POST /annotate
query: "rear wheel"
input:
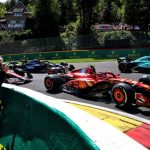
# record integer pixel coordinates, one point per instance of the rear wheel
(53, 82)
(123, 95)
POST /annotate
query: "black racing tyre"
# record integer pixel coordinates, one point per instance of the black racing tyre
(53, 82)
(145, 79)
(123, 95)
(29, 75)
(124, 67)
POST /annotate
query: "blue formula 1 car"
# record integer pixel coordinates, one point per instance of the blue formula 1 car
(126, 64)
(32, 66)
(36, 66)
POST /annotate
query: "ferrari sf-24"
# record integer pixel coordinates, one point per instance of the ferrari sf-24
(124, 92)
(17, 75)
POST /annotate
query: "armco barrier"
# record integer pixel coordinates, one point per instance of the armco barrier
(33, 121)
(103, 54)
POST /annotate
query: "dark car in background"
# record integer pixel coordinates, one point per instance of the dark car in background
(126, 64)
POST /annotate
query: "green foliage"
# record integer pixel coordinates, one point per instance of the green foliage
(70, 34)
(6, 36)
(85, 7)
(118, 35)
(2, 10)
(46, 19)
(121, 35)
(68, 12)
(132, 11)
(107, 15)
(32, 9)
(73, 17)
(145, 14)
(10, 3)
(120, 14)
(97, 10)
(22, 35)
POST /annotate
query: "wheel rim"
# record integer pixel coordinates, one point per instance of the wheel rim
(49, 83)
(119, 95)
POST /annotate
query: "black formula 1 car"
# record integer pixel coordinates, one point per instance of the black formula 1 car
(59, 68)
(126, 64)
(124, 92)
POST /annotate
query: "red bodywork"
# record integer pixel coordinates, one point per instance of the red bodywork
(107, 80)
(14, 78)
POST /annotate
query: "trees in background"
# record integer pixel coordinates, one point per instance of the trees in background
(46, 18)
(132, 12)
(137, 13)
(49, 17)
(145, 15)
(85, 9)
(2, 10)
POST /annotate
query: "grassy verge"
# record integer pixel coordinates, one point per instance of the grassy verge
(77, 60)
(80, 60)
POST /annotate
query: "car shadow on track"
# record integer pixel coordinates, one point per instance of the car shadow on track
(107, 100)
(135, 110)
(97, 99)
(103, 99)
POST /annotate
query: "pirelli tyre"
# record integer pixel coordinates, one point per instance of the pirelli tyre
(145, 79)
(53, 82)
(123, 95)
(124, 67)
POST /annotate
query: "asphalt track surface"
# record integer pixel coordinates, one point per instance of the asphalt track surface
(38, 85)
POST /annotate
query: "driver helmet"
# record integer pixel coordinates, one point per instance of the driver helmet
(63, 63)
(93, 70)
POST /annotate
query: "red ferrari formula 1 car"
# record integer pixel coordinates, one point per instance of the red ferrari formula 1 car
(124, 92)
(18, 77)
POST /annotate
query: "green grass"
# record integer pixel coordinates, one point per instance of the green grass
(80, 60)
(77, 60)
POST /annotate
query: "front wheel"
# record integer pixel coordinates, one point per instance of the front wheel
(124, 67)
(123, 95)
